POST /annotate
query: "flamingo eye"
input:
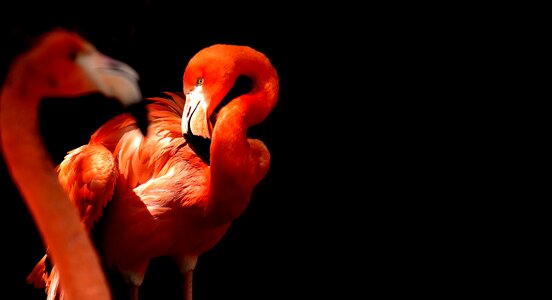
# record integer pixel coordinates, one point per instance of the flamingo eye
(72, 52)
(72, 55)
(199, 81)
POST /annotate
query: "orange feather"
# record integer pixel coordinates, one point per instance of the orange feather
(60, 64)
(178, 189)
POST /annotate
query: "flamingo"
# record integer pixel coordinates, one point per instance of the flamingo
(178, 189)
(60, 64)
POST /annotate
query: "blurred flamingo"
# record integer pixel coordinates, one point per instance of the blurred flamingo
(178, 189)
(60, 64)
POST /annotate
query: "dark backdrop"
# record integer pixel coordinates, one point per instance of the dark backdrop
(286, 244)
(360, 195)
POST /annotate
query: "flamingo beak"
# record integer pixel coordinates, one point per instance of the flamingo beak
(117, 80)
(195, 120)
(195, 124)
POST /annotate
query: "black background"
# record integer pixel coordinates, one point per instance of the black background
(290, 242)
(351, 206)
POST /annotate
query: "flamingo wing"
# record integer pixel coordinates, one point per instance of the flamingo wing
(140, 158)
(88, 174)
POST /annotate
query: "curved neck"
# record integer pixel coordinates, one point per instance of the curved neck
(260, 101)
(238, 164)
(230, 184)
(57, 219)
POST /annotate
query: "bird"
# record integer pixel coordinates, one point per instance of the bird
(178, 188)
(60, 63)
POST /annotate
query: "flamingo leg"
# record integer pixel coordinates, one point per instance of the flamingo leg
(187, 284)
(187, 264)
(133, 292)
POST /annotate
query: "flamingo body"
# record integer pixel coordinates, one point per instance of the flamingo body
(170, 197)
(88, 174)
(162, 213)
(60, 64)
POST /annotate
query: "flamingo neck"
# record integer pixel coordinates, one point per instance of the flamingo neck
(57, 220)
(236, 166)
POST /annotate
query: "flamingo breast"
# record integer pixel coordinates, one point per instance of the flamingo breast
(159, 204)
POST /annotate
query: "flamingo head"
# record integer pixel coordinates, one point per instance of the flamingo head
(212, 79)
(63, 64)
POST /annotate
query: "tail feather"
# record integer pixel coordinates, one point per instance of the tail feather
(41, 278)
(39, 275)
(53, 288)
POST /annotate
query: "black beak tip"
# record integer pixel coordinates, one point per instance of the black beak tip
(140, 113)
